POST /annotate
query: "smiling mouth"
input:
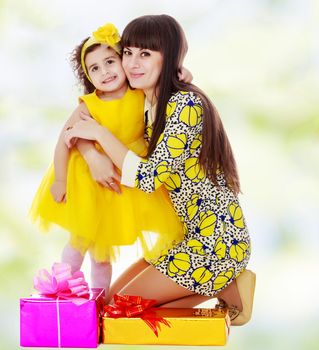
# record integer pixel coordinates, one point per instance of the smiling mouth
(108, 80)
(136, 75)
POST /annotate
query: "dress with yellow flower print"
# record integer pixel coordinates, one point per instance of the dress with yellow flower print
(216, 246)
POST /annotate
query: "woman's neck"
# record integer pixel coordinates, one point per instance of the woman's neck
(151, 97)
(151, 103)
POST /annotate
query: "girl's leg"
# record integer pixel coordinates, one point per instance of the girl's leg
(129, 274)
(101, 275)
(152, 284)
(72, 257)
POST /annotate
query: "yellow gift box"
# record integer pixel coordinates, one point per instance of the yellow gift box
(187, 327)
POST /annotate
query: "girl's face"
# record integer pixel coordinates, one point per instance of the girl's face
(105, 70)
(143, 68)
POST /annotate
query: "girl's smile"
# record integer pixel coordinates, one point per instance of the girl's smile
(105, 70)
(109, 80)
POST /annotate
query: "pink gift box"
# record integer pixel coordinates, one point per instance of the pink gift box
(50, 322)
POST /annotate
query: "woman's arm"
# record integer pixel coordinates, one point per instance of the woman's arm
(89, 129)
(174, 145)
(185, 75)
(177, 149)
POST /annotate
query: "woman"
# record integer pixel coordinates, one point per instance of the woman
(190, 154)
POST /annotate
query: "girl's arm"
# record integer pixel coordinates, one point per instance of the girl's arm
(61, 158)
(101, 167)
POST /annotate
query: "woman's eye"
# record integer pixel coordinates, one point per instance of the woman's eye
(126, 52)
(145, 54)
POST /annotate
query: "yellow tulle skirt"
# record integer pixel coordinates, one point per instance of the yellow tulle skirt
(101, 221)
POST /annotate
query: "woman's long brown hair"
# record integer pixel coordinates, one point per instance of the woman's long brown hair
(163, 33)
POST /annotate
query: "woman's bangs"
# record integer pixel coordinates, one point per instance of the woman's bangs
(141, 35)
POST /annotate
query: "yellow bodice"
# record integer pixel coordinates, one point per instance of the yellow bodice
(114, 115)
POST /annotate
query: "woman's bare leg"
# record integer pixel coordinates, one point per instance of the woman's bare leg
(127, 276)
(188, 301)
(229, 295)
(152, 284)
(134, 281)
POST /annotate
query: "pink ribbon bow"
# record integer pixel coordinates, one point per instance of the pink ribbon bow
(61, 283)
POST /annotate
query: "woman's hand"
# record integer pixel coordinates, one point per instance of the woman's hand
(185, 75)
(87, 128)
(103, 171)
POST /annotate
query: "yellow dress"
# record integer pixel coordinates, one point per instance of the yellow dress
(98, 219)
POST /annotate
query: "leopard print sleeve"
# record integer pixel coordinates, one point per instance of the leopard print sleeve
(182, 130)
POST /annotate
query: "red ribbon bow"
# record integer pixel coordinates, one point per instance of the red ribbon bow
(61, 283)
(131, 306)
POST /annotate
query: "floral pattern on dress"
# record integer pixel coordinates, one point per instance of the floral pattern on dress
(216, 246)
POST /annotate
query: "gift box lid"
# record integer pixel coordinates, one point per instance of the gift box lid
(191, 313)
(199, 313)
(94, 294)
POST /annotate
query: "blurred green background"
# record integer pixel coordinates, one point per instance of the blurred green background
(259, 63)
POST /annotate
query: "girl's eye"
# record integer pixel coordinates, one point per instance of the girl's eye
(94, 69)
(109, 61)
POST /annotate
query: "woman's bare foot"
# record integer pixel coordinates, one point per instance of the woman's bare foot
(230, 295)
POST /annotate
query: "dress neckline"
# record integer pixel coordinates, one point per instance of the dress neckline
(115, 100)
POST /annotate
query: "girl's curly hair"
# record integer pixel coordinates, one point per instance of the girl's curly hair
(75, 60)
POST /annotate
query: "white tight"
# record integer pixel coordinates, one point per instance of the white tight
(101, 273)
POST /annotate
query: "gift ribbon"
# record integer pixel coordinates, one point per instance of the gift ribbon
(58, 321)
(62, 284)
(132, 306)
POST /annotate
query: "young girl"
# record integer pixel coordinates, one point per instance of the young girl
(189, 153)
(98, 219)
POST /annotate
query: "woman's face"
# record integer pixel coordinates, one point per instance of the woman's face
(143, 68)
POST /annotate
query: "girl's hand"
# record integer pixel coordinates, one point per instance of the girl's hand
(103, 171)
(87, 129)
(58, 191)
(185, 75)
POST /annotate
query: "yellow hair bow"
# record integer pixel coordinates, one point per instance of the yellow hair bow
(107, 35)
